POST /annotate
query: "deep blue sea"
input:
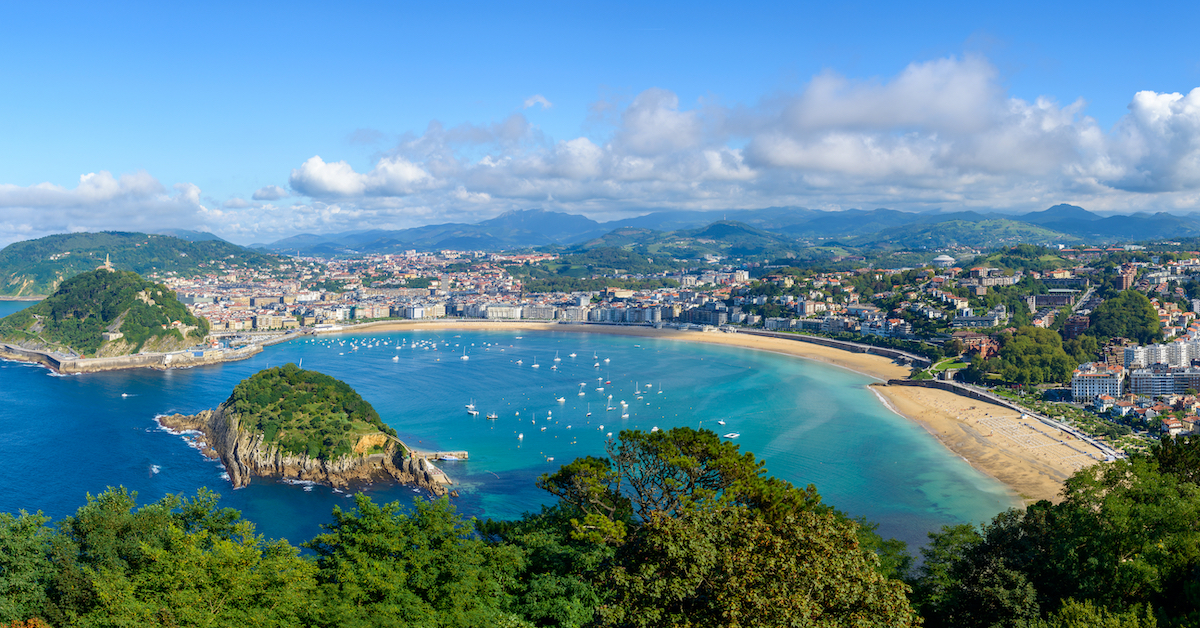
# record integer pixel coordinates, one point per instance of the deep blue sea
(62, 437)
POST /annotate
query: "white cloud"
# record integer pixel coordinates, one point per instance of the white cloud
(270, 193)
(939, 134)
(392, 176)
(538, 99)
(130, 202)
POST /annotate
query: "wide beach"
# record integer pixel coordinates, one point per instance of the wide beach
(1026, 456)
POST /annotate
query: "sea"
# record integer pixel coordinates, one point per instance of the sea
(65, 437)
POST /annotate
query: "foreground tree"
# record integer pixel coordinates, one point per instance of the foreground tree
(703, 537)
(724, 565)
(382, 567)
(173, 562)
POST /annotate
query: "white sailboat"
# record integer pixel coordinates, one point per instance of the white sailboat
(556, 358)
(535, 364)
(464, 355)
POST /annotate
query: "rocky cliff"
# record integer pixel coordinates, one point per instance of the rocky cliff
(245, 454)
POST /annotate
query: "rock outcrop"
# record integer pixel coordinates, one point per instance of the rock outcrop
(245, 454)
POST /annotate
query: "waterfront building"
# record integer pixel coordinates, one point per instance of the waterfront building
(1094, 379)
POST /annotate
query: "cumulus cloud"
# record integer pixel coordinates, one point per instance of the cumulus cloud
(538, 99)
(392, 176)
(270, 193)
(100, 201)
(943, 133)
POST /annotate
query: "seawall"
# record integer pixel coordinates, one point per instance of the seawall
(162, 361)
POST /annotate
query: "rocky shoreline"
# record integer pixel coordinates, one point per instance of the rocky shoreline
(245, 455)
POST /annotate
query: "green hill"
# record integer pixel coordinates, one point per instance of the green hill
(147, 315)
(37, 267)
(306, 412)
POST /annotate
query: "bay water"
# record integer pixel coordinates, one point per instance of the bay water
(62, 437)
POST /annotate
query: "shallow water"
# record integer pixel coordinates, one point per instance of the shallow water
(62, 437)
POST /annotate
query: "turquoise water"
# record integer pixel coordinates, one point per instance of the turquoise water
(62, 437)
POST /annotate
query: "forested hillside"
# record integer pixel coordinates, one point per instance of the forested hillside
(37, 267)
(88, 305)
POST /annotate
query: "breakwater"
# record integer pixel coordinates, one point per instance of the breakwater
(177, 359)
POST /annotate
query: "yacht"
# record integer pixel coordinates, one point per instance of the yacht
(556, 358)
(471, 406)
(492, 416)
(732, 435)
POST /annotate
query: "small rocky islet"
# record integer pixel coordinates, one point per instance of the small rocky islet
(291, 423)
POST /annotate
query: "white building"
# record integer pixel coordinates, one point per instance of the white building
(1094, 379)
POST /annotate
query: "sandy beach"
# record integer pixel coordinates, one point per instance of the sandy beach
(1027, 456)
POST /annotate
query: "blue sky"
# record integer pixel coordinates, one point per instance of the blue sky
(260, 122)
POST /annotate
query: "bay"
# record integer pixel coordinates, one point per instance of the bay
(62, 437)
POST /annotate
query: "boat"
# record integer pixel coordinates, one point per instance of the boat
(464, 355)
(561, 400)
(719, 422)
(448, 457)
(607, 360)
(731, 435)
(492, 416)
(625, 415)
(597, 365)
(395, 358)
(654, 429)
(556, 358)
(471, 406)
(535, 364)
(473, 412)
(589, 410)
(572, 355)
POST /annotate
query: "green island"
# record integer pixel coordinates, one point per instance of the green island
(306, 412)
(673, 528)
(105, 313)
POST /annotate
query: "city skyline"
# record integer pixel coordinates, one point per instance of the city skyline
(260, 123)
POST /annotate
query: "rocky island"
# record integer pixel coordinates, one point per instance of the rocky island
(291, 423)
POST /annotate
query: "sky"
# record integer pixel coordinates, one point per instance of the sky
(258, 121)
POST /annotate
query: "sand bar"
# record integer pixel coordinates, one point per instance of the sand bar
(1023, 454)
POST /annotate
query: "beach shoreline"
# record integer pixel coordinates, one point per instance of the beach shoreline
(1026, 458)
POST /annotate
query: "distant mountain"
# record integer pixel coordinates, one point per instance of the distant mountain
(968, 233)
(37, 267)
(191, 236)
(1059, 214)
(879, 227)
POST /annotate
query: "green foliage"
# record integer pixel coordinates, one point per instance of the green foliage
(380, 566)
(725, 566)
(89, 304)
(306, 412)
(38, 266)
(703, 537)
(1033, 356)
(1123, 538)
(1127, 315)
(174, 562)
(25, 567)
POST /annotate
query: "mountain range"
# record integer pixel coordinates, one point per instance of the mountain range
(877, 229)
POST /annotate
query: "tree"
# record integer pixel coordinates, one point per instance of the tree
(25, 567)
(380, 566)
(172, 562)
(1127, 315)
(723, 565)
